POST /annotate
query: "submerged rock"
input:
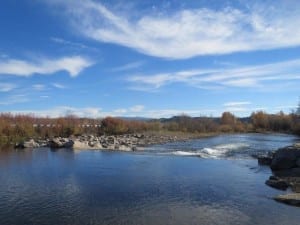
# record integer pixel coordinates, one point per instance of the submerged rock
(290, 199)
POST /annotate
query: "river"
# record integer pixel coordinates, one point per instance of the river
(205, 181)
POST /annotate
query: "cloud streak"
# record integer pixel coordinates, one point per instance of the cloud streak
(59, 86)
(92, 112)
(6, 87)
(259, 76)
(95, 112)
(14, 99)
(71, 44)
(39, 87)
(129, 66)
(235, 104)
(73, 65)
(187, 33)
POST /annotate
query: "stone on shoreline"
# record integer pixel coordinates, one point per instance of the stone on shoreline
(61, 143)
(290, 199)
(125, 148)
(285, 165)
(31, 144)
(86, 145)
(277, 183)
(125, 142)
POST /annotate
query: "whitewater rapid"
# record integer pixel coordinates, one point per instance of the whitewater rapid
(218, 151)
(237, 146)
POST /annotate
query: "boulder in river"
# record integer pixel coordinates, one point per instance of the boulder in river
(298, 163)
(286, 158)
(285, 165)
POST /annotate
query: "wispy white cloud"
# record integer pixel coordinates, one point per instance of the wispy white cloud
(59, 86)
(141, 111)
(6, 87)
(129, 66)
(96, 112)
(14, 99)
(133, 109)
(243, 82)
(230, 104)
(73, 65)
(92, 112)
(120, 111)
(137, 108)
(71, 43)
(38, 87)
(191, 32)
(258, 77)
(286, 107)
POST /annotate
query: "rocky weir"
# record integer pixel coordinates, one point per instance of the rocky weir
(128, 142)
(285, 166)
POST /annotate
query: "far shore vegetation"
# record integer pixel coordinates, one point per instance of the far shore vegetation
(16, 128)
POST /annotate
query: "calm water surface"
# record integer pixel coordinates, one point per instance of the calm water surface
(165, 184)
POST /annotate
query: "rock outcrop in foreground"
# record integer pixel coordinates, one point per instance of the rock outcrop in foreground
(128, 142)
(291, 199)
(285, 165)
(286, 158)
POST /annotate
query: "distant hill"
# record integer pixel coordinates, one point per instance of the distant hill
(215, 119)
(177, 118)
(135, 118)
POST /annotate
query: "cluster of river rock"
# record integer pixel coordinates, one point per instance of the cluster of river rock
(285, 165)
(128, 142)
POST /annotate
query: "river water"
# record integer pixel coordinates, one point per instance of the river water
(206, 181)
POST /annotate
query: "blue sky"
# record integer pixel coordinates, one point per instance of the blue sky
(149, 58)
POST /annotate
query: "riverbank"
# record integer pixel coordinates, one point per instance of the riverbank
(285, 166)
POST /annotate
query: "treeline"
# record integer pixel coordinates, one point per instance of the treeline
(228, 123)
(19, 127)
(15, 128)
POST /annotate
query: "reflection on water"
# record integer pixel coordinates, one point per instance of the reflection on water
(94, 187)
